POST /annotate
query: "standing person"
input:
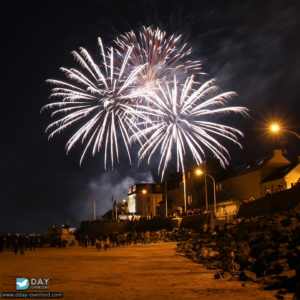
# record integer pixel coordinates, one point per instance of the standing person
(113, 239)
(128, 239)
(134, 237)
(22, 244)
(142, 237)
(124, 238)
(107, 242)
(15, 244)
(119, 239)
(98, 245)
(103, 243)
(147, 237)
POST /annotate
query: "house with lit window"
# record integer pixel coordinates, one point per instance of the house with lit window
(256, 179)
(144, 198)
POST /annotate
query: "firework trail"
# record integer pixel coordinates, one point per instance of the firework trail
(162, 56)
(178, 120)
(95, 99)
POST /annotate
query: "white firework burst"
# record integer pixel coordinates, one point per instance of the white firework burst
(95, 99)
(162, 56)
(178, 119)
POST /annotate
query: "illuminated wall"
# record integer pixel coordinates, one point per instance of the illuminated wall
(293, 176)
(132, 203)
(144, 198)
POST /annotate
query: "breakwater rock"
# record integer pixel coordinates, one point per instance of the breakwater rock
(263, 249)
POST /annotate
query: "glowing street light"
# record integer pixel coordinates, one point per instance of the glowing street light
(200, 172)
(144, 191)
(276, 128)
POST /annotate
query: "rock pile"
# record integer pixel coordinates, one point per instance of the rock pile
(261, 249)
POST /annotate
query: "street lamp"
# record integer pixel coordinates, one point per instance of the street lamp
(144, 204)
(184, 190)
(200, 172)
(276, 128)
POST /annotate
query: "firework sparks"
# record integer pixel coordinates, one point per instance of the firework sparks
(163, 57)
(178, 119)
(95, 99)
(104, 101)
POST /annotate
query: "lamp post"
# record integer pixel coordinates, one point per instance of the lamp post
(200, 172)
(276, 128)
(144, 192)
(184, 190)
(166, 196)
(197, 172)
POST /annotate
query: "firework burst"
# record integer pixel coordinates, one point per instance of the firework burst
(162, 56)
(106, 102)
(178, 119)
(95, 99)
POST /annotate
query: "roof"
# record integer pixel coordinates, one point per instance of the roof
(249, 167)
(280, 172)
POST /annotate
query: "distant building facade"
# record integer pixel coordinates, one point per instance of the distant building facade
(144, 198)
(258, 178)
(252, 181)
(175, 191)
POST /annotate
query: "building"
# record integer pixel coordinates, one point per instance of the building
(175, 191)
(252, 181)
(58, 236)
(255, 179)
(144, 198)
(258, 178)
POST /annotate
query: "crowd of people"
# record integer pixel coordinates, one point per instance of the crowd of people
(115, 239)
(21, 242)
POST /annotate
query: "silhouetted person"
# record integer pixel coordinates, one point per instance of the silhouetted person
(107, 242)
(15, 245)
(21, 244)
(134, 237)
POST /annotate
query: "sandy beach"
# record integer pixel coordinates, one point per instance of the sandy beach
(154, 271)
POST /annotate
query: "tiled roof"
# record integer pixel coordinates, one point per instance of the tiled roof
(280, 172)
(251, 166)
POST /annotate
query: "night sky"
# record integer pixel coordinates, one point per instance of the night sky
(252, 47)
